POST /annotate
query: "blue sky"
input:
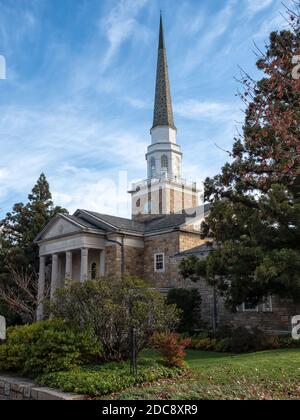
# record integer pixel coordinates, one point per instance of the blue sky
(77, 103)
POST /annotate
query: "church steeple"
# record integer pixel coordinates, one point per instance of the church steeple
(163, 111)
(164, 191)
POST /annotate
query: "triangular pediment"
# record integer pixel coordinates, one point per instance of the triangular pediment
(60, 225)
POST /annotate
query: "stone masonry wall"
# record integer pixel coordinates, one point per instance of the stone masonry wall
(276, 321)
(15, 388)
(189, 240)
(133, 264)
(167, 244)
(134, 261)
(113, 260)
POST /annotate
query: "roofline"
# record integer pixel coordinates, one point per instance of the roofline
(96, 217)
(63, 216)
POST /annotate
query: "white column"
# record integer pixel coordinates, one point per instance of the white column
(102, 262)
(41, 289)
(54, 275)
(84, 265)
(69, 263)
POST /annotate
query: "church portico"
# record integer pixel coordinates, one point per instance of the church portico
(74, 265)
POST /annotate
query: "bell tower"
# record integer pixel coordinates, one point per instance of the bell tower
(164, 191)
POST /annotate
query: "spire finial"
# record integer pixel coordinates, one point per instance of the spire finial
(161, 34)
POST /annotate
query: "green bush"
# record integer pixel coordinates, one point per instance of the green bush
(223, 346)
(107, 378)
(46, 346)
(245, 341)
(110, 307)
(189, 302)
(240, 340)
(206, 344)
(288, 343)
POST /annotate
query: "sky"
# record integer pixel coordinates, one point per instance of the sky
(77, 101)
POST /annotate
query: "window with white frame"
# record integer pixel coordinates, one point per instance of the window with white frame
(265, 307)
(159, 263)
(247, 307)
(250, 307)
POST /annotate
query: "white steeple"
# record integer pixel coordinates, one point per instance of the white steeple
(164, 157)
(164, 191)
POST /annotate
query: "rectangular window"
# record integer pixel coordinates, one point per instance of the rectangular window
(159, 263)
(265, 307)
(248, 307)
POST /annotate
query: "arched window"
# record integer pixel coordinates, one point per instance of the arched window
(94, 271)
(164, 163)
(152, 167)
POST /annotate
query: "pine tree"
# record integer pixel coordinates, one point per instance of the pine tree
(22, 225)
(255, 214)
(19, 253)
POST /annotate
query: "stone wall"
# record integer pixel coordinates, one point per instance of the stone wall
(15, 388)
(134, 261)
(276, 321)
(113, 260)
(189, 240)
(167, 244)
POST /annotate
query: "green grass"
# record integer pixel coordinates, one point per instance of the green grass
(264, 375)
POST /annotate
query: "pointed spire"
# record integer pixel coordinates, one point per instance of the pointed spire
(163, 111)
(161, 34)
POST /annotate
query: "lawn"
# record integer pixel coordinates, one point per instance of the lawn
(264, 375)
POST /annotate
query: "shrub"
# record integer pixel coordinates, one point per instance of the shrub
(245, 340)
(205, 344)
(171, 347)
(107, 378)
(110, 307)
(288, 343)
(223, 346)
(189, 302)
(46, 346)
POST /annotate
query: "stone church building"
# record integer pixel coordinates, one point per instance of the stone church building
(164, 228)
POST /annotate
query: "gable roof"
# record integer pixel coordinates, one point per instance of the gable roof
(114, 222)
(92, 221)
(164, 222)
(119, 223)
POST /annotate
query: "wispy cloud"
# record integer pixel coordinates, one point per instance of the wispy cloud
(256, 6)
(120, 25)
(195, 109)
(221, 22)
(78, 103)
(275, 23)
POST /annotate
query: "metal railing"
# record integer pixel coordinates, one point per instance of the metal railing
(163, 177)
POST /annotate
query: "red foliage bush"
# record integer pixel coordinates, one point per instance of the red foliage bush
(171, 347)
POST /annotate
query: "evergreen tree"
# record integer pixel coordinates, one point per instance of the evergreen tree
(19, 229)
(22, 225)
(255, 214)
